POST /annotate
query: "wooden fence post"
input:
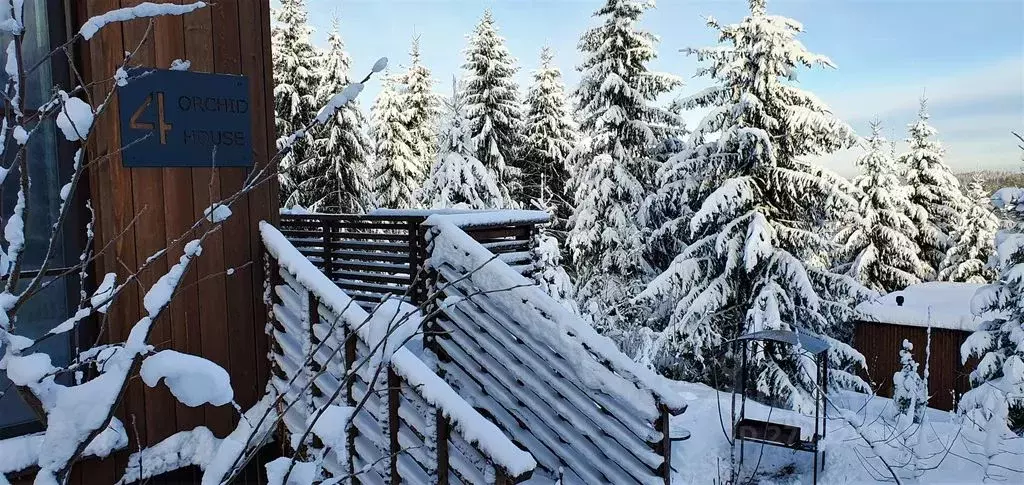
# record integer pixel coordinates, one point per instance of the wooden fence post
(443, 433)
(394, 399)
(325, 230)
(664, 447)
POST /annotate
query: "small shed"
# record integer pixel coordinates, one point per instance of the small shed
(943, 307)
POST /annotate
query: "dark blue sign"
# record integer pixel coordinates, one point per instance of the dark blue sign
(176, 118)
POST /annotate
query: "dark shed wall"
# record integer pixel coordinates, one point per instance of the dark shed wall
(217, 316)
(881, 342)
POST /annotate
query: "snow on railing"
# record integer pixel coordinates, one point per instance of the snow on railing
(412, 425)
(555, 385)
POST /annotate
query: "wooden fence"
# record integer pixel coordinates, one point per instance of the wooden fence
(584, 411)
(372, 256)
(542, 374)
(408, 430)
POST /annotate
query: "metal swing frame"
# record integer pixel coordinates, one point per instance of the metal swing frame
(777, 434)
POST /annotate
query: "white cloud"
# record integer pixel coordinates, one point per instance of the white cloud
(1000, 80)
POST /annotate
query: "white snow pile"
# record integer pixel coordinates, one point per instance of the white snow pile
(22, 452)
(392, 324)
(75, 117)
(104, 295)
(142, 10)
(217, 213)
(945, 449)
(468, 218)
(331, 425)
(193, 380)
(184, 448)
(180, 65)
(933, 304)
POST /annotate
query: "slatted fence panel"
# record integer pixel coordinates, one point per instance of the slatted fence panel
(370, 257)
(397, 436)
(378, 255)
(513, 374)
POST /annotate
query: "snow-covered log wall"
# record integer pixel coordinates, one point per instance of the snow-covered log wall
(539, 372)
(412, 428)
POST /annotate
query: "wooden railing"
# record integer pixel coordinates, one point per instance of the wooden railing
(584, 411)
(542, 374)
(413, 427)
(372, 256)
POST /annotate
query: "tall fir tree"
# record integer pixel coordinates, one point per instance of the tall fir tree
(423, 105)
(878, 244)
(458, 178)
(935, 192)
(997, 398)
(760, 210)
(398, 172)
(550, 134)
(336, 177)
(621, 125)
(967, 259)
(493, 108)
(295, 92)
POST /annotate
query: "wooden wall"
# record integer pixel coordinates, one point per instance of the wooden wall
(948, 379)
(217, 316)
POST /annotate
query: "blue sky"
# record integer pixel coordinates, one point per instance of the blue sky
(968, 55)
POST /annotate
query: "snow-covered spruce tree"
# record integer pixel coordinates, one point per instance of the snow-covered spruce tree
(910, 392)
(492, 106)
(458, 178)
(398, 172)
(967, 259)
(620, 124)
(938, 203)
(422, 105)
(878, 243)
(549, 274)
(295, 92)
(997, 399)
(336, 178)
(550, 134)
(759, 212)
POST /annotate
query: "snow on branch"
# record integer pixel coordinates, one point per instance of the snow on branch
(142, 10)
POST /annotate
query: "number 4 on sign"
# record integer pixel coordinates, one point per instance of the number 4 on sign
(164, 125)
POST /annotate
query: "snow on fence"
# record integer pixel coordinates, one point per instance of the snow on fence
(539, 372)
(371, 256)
(413, 427)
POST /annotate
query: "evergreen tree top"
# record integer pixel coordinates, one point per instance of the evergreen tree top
(335, 63)
(921, 133)
(762, 55)
(615, 76)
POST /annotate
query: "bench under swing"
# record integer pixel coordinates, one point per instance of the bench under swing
(778, 434)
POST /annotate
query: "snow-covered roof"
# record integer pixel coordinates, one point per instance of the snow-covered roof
(933, 304)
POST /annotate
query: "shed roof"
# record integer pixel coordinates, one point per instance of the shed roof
(934, 304)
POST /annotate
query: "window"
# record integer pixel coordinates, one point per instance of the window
(50, 165)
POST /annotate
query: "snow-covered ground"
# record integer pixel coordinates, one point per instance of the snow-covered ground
(848, 459)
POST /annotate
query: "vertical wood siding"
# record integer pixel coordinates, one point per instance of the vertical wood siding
(948, 378)
(219, 317)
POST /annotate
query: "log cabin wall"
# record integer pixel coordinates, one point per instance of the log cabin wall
(948, 379)
(217, 316)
